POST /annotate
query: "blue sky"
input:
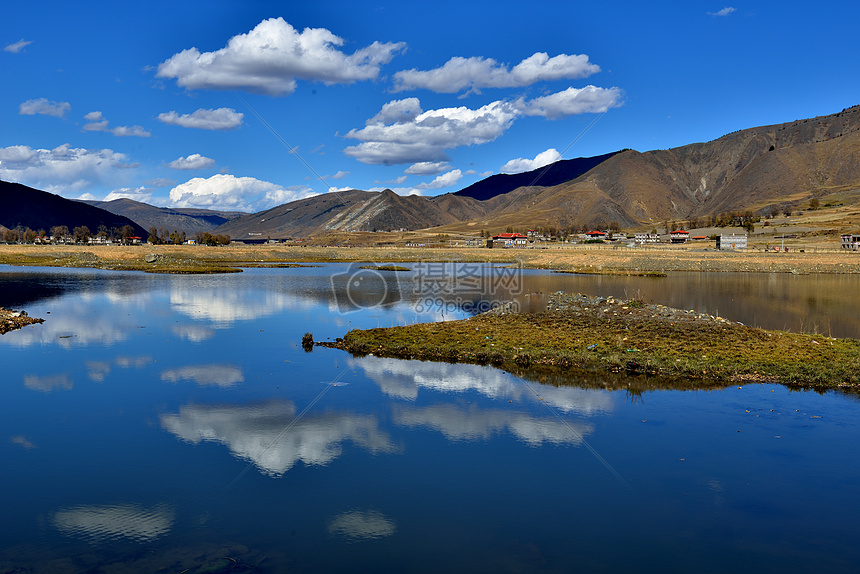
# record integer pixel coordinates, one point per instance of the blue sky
(247, 105)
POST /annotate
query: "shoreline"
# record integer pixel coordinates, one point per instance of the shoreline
(587, 259)
(579, 334)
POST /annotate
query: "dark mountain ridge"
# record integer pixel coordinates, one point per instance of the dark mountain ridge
(27, 207)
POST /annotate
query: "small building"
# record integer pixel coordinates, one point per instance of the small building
(679, 236)
(595, 235)
(643, 238)
(510, 240)
(699, 238)
(732, 241)
(850, 242)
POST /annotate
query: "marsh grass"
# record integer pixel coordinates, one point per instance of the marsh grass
(635, 342)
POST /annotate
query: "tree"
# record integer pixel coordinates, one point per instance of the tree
(81, 234)
(814, 203)
(29, 236)
(153, 236)
(59, 232)
(749, 226)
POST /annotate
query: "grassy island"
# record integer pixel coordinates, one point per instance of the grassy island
(579, 333)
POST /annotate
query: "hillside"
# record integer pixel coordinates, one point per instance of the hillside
(188, 220)
(761, 169)
(28, 207)
(554, 174)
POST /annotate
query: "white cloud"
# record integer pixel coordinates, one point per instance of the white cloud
(224, 191)
(340, 175)
(203, 119)
(427, 168)
(521, 165)
(62, 169)
(572, 101)
(475, 73)
(336, 189)
(160, 182)
(45, 107)
(402, 133)
(18, 46)
(141, 194)
(444, 180)
(98, 123)
(724, 12)
(426, 136)
(193, 161)
(271, 57)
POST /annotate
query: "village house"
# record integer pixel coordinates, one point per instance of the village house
(594, 235)
(509, 240)
(731, 242)
(850, 242)
(679, 236)
(643, 238)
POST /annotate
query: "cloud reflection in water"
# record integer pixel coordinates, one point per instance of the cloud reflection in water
(112, 522)
(253, 433)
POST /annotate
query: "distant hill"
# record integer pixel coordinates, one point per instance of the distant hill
(28, 207)
(553, 174)
(189, 220)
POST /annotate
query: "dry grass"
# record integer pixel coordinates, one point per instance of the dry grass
(588, 259)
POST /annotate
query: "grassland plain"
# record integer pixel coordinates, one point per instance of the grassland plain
(607, 259)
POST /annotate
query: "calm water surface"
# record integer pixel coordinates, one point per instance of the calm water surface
(174, 424)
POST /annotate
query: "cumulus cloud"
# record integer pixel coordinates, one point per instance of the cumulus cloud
(340, 175)
(18, 46)
(724, 12)
(45, 107)
(141, 194)
(193, 161)
(475, 73)
(203, 119)
(427, 168)
(444, 180)
(402, 133)
(98, 123)
(520, 165)
(272, 57)
(62, 169)
(424, 136)
(225, 191)
(572, 101)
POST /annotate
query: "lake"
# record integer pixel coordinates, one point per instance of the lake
(175, 424)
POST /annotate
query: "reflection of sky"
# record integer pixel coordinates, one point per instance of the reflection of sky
(474, 424)
(403, 379)
(356, 525)
(111, 522)
(224, 306)
(48, 383)
(206, 375)
(254, 433)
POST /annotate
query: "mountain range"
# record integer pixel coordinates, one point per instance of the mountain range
(759, 169)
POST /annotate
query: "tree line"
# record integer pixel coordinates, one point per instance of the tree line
(61, 234)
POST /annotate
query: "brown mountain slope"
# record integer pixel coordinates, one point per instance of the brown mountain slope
(753, 169)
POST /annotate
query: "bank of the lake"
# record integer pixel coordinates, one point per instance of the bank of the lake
(581, 333)
(591, 259)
